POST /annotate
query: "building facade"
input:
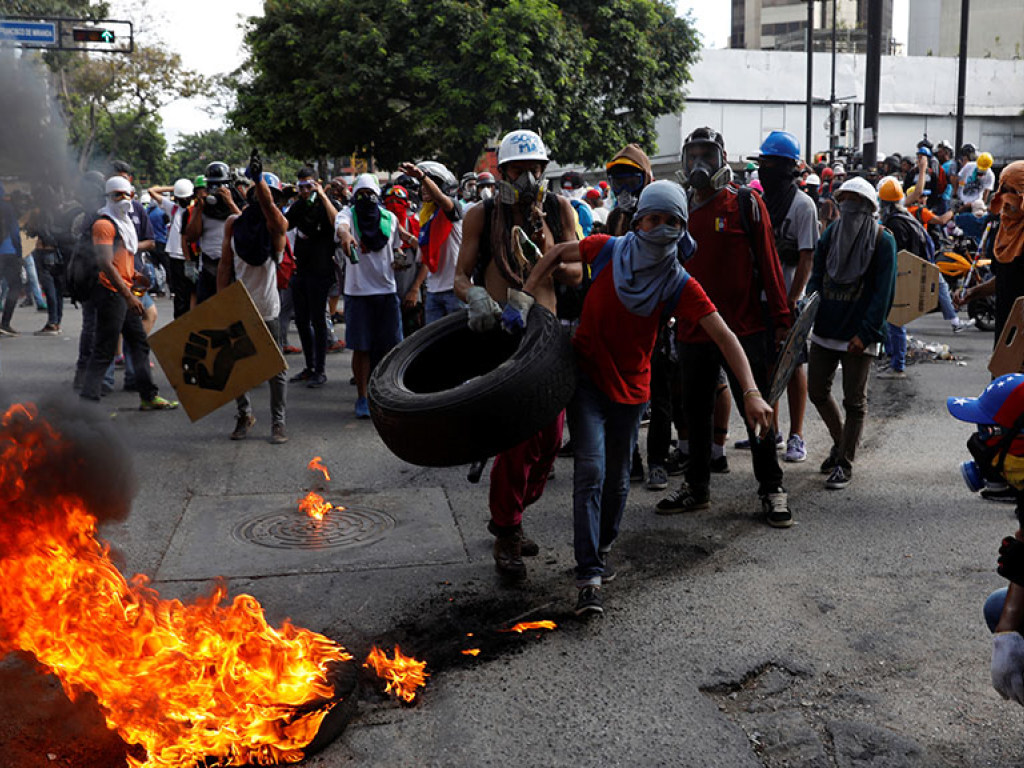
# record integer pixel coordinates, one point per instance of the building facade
(781, 25)
(995, 29)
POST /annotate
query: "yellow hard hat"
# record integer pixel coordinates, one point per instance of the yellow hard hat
(984, 161)
(890, 190)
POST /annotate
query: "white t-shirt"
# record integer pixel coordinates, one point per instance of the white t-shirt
(801, 225)
(175, 213)
(971, 188)
(600, 214)
(444, 278)
(261, 283)
(375, 273)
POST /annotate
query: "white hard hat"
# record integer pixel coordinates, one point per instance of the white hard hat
(521, 145)
(118, 184)
(812, 180)
(859, 186)
(183, 188)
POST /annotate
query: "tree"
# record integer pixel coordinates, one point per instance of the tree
(396, 79)
(194, 151)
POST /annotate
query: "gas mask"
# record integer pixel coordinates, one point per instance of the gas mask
(702, 172)
(524, 190)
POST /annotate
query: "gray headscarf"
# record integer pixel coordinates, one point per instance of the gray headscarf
(853, 240)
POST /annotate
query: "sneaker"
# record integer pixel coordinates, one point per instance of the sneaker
(657, 479)
(795, 449)
(720, 466)
(1002, 492)
(684, 500)
(158, 404)
(277, 434)
(245, 422)
(775, 506)
(362, 408)
(304, 375)
(744, 444)
(6, 330)
(50, 329)
(676, 463)
(889, 373)
(589, 601)
(316, 381)
(637, 472)
(830, 463)
(609, 573)
(529, 547)
(337, 346)
(963, 325)
(288, 349)
(839, 478)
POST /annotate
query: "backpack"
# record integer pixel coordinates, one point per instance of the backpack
(82, 265)
(286, 267)
(911, 236)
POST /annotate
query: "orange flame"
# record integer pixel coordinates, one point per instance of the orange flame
(525, 626)
(318, 464)
(313, 504)
(402, 674)
(471, 652)
(191, 683)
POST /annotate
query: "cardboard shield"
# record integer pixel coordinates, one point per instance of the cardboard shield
(217, 351)
(1008, 356)
(917, 288)
(794, 344)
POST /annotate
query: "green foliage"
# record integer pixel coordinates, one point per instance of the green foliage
(139, 142)
(401, 79)
(194, 151)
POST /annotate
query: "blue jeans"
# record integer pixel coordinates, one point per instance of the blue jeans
(442, 304)
(85, 342)
(897, 347)
(946, 302)
(604, 435)
(33, 282)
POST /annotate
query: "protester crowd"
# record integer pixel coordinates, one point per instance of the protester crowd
(677, 296)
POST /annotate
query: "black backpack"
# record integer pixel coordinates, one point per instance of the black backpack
(82, 265)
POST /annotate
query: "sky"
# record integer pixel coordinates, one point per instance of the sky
(208, 36)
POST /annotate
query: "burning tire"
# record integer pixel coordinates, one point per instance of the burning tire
(448, 396)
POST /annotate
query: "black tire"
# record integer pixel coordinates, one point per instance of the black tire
(447, 396)
(984, 313)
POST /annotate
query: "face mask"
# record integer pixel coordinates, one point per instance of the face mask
(486, 193)
(774, 177)
(853, 207)
(663, 234)
(527, 185)
(122, 207)
(627, 201)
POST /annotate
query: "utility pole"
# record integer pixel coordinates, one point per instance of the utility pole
(832, 96)
(961, 87)
(869, 152)
(808, 122)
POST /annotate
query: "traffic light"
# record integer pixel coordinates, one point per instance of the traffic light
(92, 35)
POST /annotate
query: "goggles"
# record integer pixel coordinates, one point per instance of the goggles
(305, 185)
(119, 195)
(626, 181)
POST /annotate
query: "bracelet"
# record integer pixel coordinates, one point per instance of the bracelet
(752, 393)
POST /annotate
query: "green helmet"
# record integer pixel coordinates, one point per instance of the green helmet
(750, 166)
(200, 181)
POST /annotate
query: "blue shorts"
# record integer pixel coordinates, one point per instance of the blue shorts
(372, 323)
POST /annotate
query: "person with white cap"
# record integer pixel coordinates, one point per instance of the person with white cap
(370, 237)
(855, 273)
(175, 202)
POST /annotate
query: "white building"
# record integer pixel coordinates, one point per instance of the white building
(995, 29)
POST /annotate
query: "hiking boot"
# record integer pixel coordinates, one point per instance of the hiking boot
(775, 506)
(657, 479)
(362, 408)
(684, 500)
(795, 449)
(530, 548)
(158, 404)
(245, 422)
(304, 375)
(839, 478)
(508, 556)
(589, 601)
(890, 373)
(277, 434)
(830, 463)
(316, 381)
(720, 466)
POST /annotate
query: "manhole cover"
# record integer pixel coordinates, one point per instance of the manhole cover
(340, 529)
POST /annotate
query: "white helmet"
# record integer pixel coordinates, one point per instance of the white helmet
(859, 186)
(521, 145)
(812, 180)
(183, 188)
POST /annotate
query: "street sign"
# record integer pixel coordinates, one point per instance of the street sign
(37, 33)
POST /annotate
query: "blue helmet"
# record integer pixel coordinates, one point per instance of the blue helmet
(781, 144)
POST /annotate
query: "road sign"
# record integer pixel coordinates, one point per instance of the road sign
(35, 32)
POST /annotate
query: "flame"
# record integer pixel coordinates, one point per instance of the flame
(313, 504)
(471, 652)
(193, 684)
(318, 464)
(525, 626)
(402, 674)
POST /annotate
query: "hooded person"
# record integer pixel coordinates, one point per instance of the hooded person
(855, 274)
(628, 173)
(639, 284)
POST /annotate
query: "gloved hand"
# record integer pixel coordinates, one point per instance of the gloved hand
(1008, 665)
(255, 169)
(513, 318)
(483, 310)
(1011, 560)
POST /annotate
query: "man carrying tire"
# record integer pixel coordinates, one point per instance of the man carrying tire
(491, 270)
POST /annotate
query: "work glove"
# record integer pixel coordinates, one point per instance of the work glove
(483, 310)
(513, 318)
(1008, 665)
(255, 169)
(1011, 560)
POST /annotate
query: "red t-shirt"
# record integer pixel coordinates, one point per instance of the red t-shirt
(614, 346)
(724, 265)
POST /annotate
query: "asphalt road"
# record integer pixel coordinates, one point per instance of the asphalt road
(854, 638)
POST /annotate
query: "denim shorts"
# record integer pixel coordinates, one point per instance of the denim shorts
(372, 323)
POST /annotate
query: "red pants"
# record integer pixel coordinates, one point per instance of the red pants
(519, 474)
